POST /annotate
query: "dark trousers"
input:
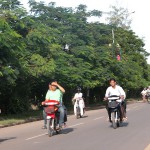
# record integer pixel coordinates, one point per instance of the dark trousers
(63, 114)
(44, 117)
(124, 106)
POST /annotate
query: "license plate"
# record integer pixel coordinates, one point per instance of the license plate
(48, 117)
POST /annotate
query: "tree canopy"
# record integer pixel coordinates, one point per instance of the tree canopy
(33, 52)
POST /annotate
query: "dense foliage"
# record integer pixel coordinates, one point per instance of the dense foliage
(50, 42)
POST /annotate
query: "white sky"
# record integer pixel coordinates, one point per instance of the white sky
(140, 19)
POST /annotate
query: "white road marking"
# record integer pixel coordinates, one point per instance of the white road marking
(46, 133)
(135, 107)
(138, 109)
(35, 136)
(76, 125)
(99, 118)
(37, 142)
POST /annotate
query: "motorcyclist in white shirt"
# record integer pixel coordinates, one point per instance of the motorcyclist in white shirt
(79, 96)
(117, 90)
(144, 94)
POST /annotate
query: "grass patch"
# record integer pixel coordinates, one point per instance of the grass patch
(133, 99)
(6, 120)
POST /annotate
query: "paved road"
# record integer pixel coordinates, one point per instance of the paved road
(89, 133)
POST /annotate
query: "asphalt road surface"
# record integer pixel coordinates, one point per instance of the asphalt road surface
(93, 132)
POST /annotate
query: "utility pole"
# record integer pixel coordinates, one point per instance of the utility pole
(113, 43)
(113, 36)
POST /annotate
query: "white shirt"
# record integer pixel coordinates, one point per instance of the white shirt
(78, 96)
(148, 91)
(118, 91)
(144, 92)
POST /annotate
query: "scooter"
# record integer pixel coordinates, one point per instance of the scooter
(52, 117)
(78, 111)
(78, 108)
(113, 107)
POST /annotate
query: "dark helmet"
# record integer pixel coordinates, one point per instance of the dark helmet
(78, 89)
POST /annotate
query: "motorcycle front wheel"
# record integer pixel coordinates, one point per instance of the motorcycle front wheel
(50, 129)
(78, 112)
(114, 123)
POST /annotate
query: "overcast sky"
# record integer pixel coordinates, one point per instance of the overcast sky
(140, 19)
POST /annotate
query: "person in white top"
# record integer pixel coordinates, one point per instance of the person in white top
(148, 92)
(116, 90)
(79, 96)
(144, 93)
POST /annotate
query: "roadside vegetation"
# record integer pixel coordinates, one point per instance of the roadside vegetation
(50, 42)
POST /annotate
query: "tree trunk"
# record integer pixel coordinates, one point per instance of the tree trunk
(87, 96)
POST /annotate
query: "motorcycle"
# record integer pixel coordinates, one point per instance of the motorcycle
(51, 110)
(77, 107)
(113, 106)
(78, 111)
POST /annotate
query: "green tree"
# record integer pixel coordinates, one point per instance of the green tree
(51, 42)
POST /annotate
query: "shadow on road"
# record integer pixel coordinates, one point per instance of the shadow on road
(84, 116)
(5, 139)
(67, 130)
(124, 124)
